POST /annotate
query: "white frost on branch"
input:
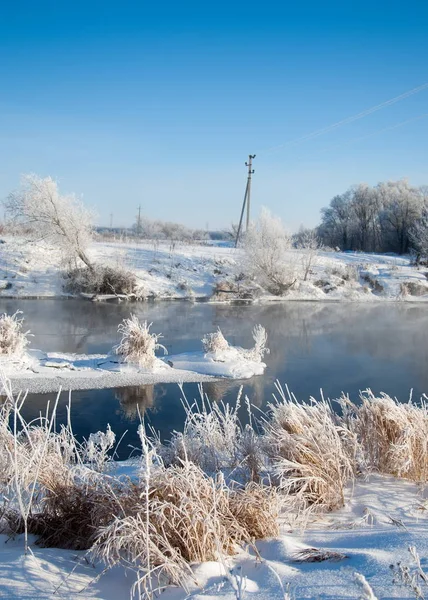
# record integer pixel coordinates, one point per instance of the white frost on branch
(46, 214)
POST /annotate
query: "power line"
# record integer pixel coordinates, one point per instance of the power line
(350, 119)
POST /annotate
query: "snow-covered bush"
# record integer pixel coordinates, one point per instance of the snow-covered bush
(219, 349)
(260, 349)
(215, 342)
(97, 447)
(268, 254)
(100, 280)
(13, 340)
(138, 345)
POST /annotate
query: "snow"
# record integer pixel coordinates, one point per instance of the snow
(40, 372)
(229, 364)
(181, 270)
(362, 530)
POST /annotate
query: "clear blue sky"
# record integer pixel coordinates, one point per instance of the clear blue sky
(160, 103)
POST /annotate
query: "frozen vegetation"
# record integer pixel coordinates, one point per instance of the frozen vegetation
(198, 271)
(303, 502)
(51, 249)
(132, 361)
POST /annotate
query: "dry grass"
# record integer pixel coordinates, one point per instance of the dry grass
(214, 487)
(259, 350)
(256, 508)
(311, 555)
(215, 342)
(100, 280)
(217, 345)
(312, 455)
(13, 340)
(138, 345)
(393, 436)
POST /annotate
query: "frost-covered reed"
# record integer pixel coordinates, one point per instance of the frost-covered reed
(217, 345)
(393, 436)
(312, 454)
(137, 344)
(211, 488)
(13, 340)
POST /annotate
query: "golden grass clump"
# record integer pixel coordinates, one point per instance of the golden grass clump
(138, 345)
(256, 508)
(182, 516)
(393, 436)
(312, 455)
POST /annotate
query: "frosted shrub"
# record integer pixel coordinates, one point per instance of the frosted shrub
(13, 341)
(260, 349)
(100, 280)
(215, 342)
(217, 345)
(97, 448)
(138, 345)
(268, 255)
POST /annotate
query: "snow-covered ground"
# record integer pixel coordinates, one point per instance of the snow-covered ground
(40, 372)
(382, 518)
(181, 270)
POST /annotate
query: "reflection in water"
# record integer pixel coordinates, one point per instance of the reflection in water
(134, 401)
(336, 347)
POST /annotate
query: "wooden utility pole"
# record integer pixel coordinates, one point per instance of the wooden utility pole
(247, 197)
(111, 220)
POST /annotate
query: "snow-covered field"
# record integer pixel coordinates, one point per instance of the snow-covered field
(382, 518)
(181, 270)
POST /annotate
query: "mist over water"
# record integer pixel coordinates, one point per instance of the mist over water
(334, 347)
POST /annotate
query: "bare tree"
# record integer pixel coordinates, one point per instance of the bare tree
(61, 220)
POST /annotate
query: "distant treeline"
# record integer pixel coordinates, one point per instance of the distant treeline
(389, 217)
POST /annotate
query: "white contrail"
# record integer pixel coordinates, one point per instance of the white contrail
(351, 119)
(373, 133)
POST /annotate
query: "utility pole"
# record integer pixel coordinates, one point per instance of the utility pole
(249, 164)
(247, 197)
(139, 221)
(111, 220)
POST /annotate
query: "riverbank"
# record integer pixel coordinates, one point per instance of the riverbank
(202, 272)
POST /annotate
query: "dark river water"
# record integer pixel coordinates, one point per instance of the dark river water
(334, 347)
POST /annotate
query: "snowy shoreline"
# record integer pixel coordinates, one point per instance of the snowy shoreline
(204, 273)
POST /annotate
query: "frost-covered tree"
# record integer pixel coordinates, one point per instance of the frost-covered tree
(268, 254)
(419, 234)
(401, 208)
(378, 218)
(48, 215)
(364, 207)
(336, 225)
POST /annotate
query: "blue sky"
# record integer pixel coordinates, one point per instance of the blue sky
(159, 103)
